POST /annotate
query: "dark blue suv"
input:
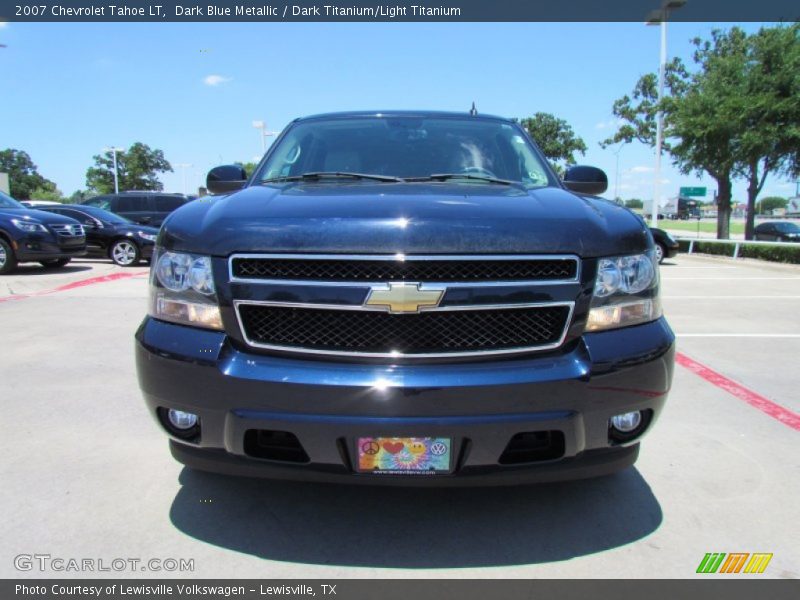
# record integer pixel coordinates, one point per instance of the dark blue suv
(36, 236)
(407, 298)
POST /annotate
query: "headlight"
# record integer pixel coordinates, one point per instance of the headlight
(28, 226)
(625, 292)
(182, 290)
(147, 236)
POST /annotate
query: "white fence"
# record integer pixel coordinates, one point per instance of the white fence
(737, 244)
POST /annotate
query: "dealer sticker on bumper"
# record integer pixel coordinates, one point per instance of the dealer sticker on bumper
(404, 455)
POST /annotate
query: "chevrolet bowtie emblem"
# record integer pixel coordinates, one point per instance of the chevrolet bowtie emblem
(404, 297)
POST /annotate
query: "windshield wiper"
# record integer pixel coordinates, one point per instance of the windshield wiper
(316, 176)
(448, 176)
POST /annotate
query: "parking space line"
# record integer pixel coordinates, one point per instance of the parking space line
(730, 297)
(76, 284)
(732, 278)
(768, 407)
(739, 335)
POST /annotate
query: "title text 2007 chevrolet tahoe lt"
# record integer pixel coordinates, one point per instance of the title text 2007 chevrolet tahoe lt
(409, 298)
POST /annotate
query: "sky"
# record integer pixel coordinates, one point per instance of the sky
(194, 89)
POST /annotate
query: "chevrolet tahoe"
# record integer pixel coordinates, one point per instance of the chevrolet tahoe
(407, 298)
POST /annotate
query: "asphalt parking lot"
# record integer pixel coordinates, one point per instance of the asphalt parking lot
(87, 474)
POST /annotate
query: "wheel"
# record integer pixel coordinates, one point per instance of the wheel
(56, 263)
(125, 253)
(8, 261)
(660, 253)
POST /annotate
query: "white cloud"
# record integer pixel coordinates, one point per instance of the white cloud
(612, 124)
(641, 169)
(214, 80)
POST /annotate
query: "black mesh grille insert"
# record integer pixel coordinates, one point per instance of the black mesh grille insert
(410, 270)
(423, 333)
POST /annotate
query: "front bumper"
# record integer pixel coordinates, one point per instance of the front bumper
(672, 250)
(146, 250)
(480, 406)
(41, 246)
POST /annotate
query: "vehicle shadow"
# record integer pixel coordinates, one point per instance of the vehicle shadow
(104, 260)
(415, 527)
(36, 269)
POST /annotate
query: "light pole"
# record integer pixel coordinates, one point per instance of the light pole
(616, 173)
(114, 151)
(264, 133)
(183, 167)
(660, 16)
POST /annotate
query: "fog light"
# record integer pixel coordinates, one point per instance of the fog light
(626, 422)
(181, 420)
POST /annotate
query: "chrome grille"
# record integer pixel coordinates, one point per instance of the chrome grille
(384, 334)
(68, 230)
(283, 302)
(390, 268)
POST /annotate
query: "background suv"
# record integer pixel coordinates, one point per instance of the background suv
(146, 208)
(36, 236)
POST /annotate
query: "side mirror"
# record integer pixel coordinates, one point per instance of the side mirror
(92, 224)
(585, 180)
(226, 178)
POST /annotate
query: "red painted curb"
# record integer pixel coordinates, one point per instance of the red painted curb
(76, 284)
(776, 411)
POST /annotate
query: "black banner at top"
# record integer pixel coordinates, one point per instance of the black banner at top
(394, 10)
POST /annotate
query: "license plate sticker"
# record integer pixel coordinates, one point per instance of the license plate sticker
(404, 455)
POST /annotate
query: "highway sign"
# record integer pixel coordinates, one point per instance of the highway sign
(693, 191)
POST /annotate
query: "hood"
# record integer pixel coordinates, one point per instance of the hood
(36, 215)
(409, 218)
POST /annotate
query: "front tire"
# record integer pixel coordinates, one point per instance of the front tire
(8, 260)
(661, 252)
(56, 263)
(125, 253)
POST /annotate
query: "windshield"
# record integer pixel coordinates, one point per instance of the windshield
(104, 215)
(407, 147)
(7, 201)
(787, 227)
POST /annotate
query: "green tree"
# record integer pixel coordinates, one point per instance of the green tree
(634, 203)
(48, 191)
(735, 115)
(555, 139)
(249, 167)
(697, 133)
(23, 176)
(78, 196)
(770, 203)
(769, 116)
(137, 169)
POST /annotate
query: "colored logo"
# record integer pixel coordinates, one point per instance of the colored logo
(404, 297)
(370, 448)
(438, 449)
(734, 562)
